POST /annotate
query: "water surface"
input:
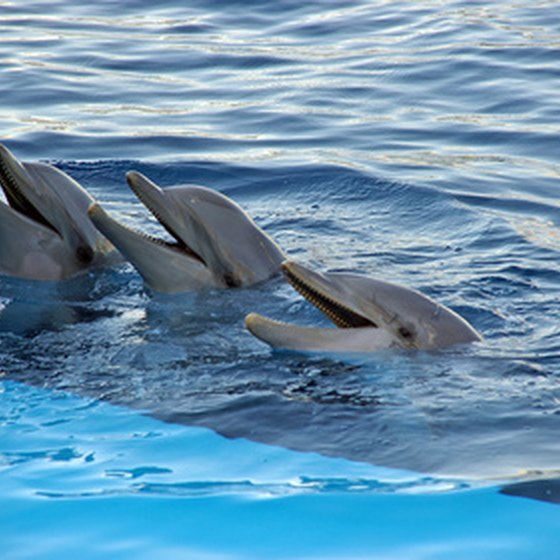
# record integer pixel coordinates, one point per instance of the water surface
(415, 142)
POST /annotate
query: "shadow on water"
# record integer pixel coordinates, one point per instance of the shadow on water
(545, 490)
(29, 308)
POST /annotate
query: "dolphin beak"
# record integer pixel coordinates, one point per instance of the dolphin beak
(152, 196)
(16, 182)
(313, 339)
(320, 291)
(156, 201)
(355, 333)
(165, 266)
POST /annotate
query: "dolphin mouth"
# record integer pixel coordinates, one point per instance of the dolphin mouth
(341, 315)
(178, 244)
(14, 189)
(355, 333)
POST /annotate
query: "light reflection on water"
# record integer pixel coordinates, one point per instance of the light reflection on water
(405, 74)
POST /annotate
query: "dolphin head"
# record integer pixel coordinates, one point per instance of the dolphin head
(371, 315)
(46, 213)
(215, 243)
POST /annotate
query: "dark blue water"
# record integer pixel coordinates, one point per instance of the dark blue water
(414, 142)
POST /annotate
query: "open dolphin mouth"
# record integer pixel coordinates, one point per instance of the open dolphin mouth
(341, 315)
(355, 332)
(215, 244)
(177, 244)
(15, 191)
(167, 264)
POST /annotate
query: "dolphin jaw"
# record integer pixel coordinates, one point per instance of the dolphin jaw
(285, 336)
(340, 314)
(177, 245)
(12, 176)
(138, 183)
(354, 333)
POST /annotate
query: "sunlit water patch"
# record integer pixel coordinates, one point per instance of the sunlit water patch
(75, 471)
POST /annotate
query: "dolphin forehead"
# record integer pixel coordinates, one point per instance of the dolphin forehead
(418, 320)
(64, 203)
(360, 293)
(47, 179)
(37, 184)
(173, 204)
(178, 209)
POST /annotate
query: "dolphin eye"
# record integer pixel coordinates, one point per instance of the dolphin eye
(84, 254)
(405, 333)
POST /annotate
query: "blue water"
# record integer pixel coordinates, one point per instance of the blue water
(416, 142)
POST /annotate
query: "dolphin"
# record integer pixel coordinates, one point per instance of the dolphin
(215, 243)
(45, 232)
(371, 315)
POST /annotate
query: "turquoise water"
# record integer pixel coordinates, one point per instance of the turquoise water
(416, 142)
(83, 478)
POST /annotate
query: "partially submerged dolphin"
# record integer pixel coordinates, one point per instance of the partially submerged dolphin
(216, 244)
(371, 315)
(45, 231)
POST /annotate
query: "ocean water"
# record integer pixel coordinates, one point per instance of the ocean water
(416, 142)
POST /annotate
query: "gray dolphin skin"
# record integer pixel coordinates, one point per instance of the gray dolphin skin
(371, 315)
(45, 231)
(215, 243)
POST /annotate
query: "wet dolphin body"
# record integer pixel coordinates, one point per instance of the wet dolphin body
(371, 315)
(215, 243)
(45, 231)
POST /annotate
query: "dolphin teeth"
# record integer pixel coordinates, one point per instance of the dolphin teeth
(339, 314)
(179, 243)
(175, 245)
(17, 199)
